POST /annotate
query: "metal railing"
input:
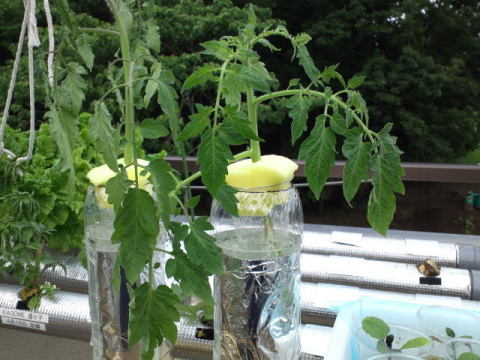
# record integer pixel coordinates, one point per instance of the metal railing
(414, 171)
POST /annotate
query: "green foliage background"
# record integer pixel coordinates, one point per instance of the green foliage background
(45, 182)
(420, 58)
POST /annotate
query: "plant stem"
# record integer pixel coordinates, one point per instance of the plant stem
(219, 91)
(334, 98)
(99, 31)
(150, 271)
(184, 209)
(196, 175)
(252, 117)
(164, 251)
(129, 109)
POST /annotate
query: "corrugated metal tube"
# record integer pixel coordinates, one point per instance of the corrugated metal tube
(67, 316)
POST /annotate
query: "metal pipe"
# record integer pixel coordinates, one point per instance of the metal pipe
(388, 276)
(69, 313)
(400, 246)
(67, 316)
(383, 275)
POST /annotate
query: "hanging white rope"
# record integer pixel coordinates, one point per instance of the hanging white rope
(51, 42)
(29, 25)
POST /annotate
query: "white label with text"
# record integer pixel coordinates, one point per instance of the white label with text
(23, 323)
(24, 315)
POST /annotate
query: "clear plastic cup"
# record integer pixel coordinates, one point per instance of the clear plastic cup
(445, 323)
(456, 347)
(394, 357)
(368, 345)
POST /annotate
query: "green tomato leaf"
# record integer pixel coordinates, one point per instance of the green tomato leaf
(152, 37)
(255, 76)
(310, 144)
(152, 84)
(152, 317)
(193, 202)
(386, 180)
(85, 51)
(233, 86)
(329, 73)
(199, 77)
(136, 229)
(355, 81)
(241, 123)
(305, 60)
(226, 197)
(126, 15)
(252, 17)
(318, 151)
(71, 92)
(299, 106)
(213, 156)
(217, 48)
(293, 82)
(116, 188)
(201, 248)
(469, 356)
(357, 153)
(105, 138)
(268, 45)
(64, 131)
(193, 279)
(164, 183)
(348, 118)
(167, 99)
(375, 327)
(415, 343)
(198, 123)
(153, 129)
(230, 134)
(338, 124)
(303, 38)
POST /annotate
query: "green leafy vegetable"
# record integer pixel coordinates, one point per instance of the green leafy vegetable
(152, 317)
(153, 129)
(469, 356)
(213, 155)
(299, 106)
(240, 122)
(116, 188)
(375, 327)
(193, 279)
(199, 77)
(415, 343)
(357, 153)
(201, 247)
(106, 140)
(355, 81)
(136, 229)
(318, 150)
(226, 197)
(198, 123)
(386, 180)
(164, 183)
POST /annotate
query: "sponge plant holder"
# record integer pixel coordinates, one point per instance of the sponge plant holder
(109, 305)
(257, 298)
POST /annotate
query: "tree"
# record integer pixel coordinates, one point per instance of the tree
(420, 58)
